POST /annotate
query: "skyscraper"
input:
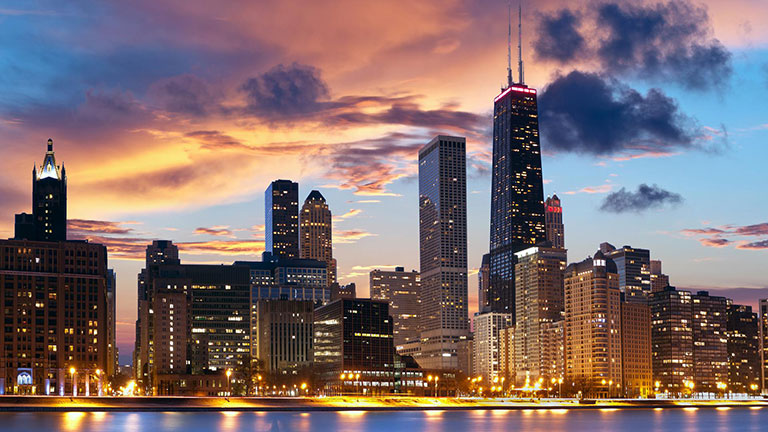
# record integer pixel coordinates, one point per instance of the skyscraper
(672, 340)
(401, 290)
(553, 221)
(284, 334)
(710, 345)
(743, 349)
(281, 203)
(539, 300)
(317, 232)
(443, 250)
(659, 280)
(593, 327)
(517, 190)
(487, 344)
(483, 283)
(763, 316)
(634, 267)
(637, 366)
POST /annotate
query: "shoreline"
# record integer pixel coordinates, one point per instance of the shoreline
(10, 404)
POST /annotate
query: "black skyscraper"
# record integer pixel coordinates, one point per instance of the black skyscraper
(49, 203)
(517, 191)
(281, 202)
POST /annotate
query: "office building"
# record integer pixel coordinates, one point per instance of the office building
(112, 353)
(636, 354)
(294, 279)
(552, 350)
(487, 361)
(343, 291)
(553, 222)
(672, 340)
(710, 344)
(743, 349)
(592, 328)
(316, 232)
(284, 334)
(539, 300)
(281, 203)
(401, 290)
(634, 267)
(507, 355)
(763, 317)
(443, 250)
(354, 350)
(484, 283)
(659, 280)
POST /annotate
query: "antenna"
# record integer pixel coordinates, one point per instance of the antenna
(509, 43)
(520, 41)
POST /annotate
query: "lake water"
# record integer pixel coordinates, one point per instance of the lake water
(626, 420)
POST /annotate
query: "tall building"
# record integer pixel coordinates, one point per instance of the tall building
(484, 283)
(354, 338)
(553, 221)
(49, 199)
(743, 349)
(710, 344)
(763, 317)
(281, 202)
(288, 279)
(592, 327)
(487, 344)
(443, 250)
(343, 291)
(517, 190)
(539, 300)
(659, 280)
(672, 340)
(316, 231)
(112, 353)
(284, 334)
(634, 267)
(636, 354)
(401, 290)
(552, 350)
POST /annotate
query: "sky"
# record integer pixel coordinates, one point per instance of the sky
(172, 118)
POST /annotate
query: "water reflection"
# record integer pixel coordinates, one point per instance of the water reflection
(548, 420)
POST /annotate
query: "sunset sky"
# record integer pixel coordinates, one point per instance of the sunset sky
(172, 117)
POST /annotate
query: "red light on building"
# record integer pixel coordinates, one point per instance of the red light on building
(554, 209)
(515, 89)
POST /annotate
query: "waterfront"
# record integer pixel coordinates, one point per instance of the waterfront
(550, 420)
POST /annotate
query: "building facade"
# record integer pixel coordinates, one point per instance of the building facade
(401, 290)
(659, 280)
(710, 343)
(281, 232)
(763, 317)
(487, 344)
(553, 222)
(443, 250)
(284, 334)
(592, 327)
(316, 231)
(672, 340)
(636, 357)
(634, 267)
(539, 300)
(743, 336)
(49, 202)
(484, 283)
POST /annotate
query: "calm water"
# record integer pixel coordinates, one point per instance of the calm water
(677, 420)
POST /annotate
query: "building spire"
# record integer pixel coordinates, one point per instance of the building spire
(509, 43)
(520, 41)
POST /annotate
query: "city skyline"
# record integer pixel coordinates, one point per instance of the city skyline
(160, 156)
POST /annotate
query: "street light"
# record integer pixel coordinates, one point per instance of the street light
(72, 371)
(229, 374)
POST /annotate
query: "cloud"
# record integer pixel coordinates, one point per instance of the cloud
(591, 190)
(79, 227)
(216, 140)
(218, 230)
(559, 37)
(658, 42)
(646, 197)
(186, 94)
(723, 236)
(223, 247)
(714, 242)
(350, 236)
(286, 91)
(351, 213)
(587, 113)
(758, 245)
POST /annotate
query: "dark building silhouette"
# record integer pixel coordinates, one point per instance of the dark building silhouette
(339, 291)
(281, 202)
(672, 340)
(484, 283)
(517, 190)
(743, 350)
(283, 337)
(710, 347)
(553, 220)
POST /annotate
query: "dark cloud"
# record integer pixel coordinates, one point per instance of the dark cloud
(715, 242)
(411, 114)
(184, 94)
(286, 91)
(656, 42)
(216, 140)
(758, 245)
(558, 36)
(214, 231)
(646, 197)
(78, 227)
(716, 237)
(588, 113)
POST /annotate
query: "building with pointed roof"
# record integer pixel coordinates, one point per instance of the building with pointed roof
(49, 203)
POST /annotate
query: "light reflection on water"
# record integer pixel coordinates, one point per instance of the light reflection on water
(627, 420)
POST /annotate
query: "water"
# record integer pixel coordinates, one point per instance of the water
(625, 420)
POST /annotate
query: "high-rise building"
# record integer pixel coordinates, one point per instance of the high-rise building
(553, 221)
(592, 327)
(281, 202)
(443, 250)
(743, 349)
(288, 279)
(636, 357)
(763, 317)
(539, 300)
(316, 231)
(484, 283)
(672, 340)
(710, 344)
(284, 334)
(517, 190)
(634, 267)
(659, 280)
(401, 290)
(49, 199)
(487, 341)
(353, 346)
(112, 353)
(552, 350)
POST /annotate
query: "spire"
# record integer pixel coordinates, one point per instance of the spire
(509, 43)
(50, 145)
(520, 41)
(49, 169)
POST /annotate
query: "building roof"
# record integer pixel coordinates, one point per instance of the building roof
(49, 169)
(315, 195)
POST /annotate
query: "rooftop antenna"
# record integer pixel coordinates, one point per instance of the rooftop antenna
(520, 41)
(509, 43)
